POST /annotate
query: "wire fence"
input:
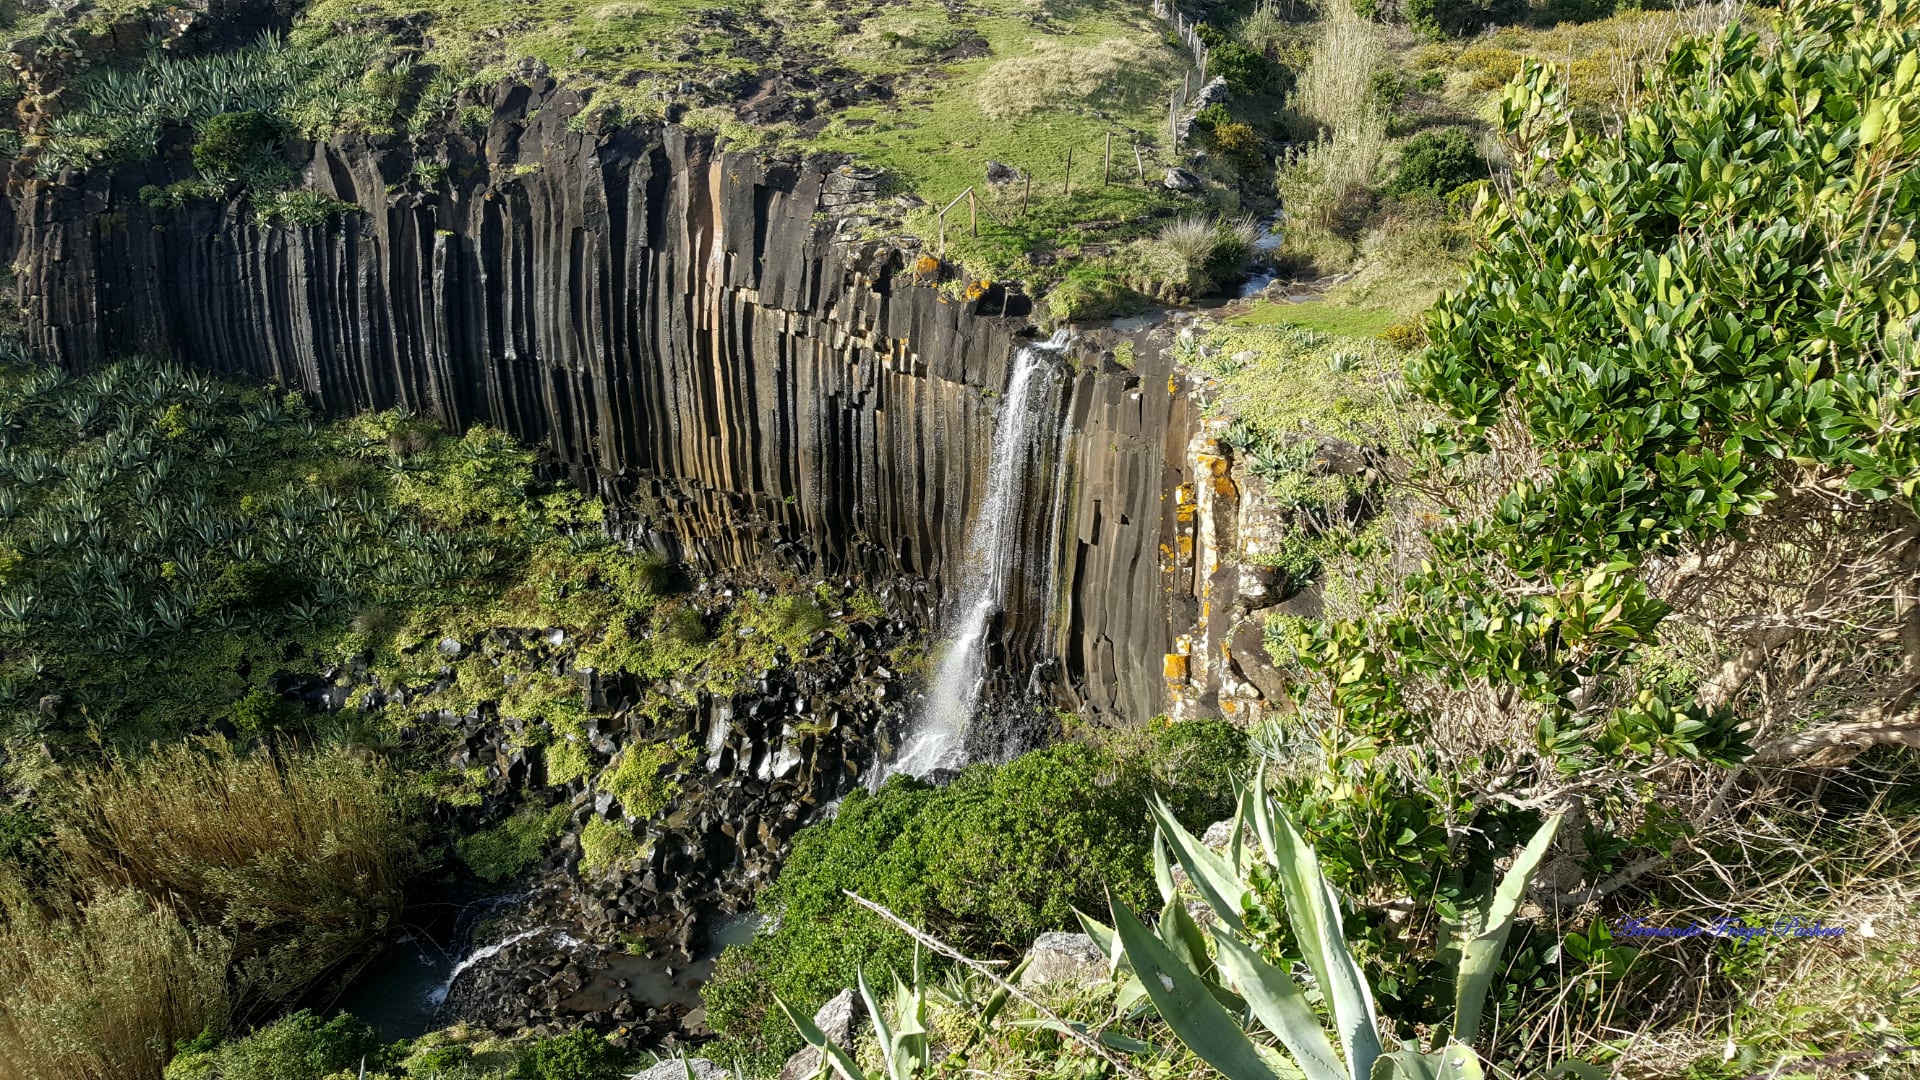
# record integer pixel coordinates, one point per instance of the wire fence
(1187, 32)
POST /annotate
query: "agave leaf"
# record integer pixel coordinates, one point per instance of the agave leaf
(1405, 1065)
(1104, 940)
(882, 1030)
(1223, 889)
(910, 1051)
(1458, 1062)
(1314, 913)
(1184, 1002)
(1575, 1067)
(1480, 956)
(1162, 873)
(1184, 939)
(810, 1031)
(1281, 1006)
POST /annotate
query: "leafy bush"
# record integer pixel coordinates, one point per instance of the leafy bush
(989, 862)
(1581, 334)
(1461, 17)
(1434, 164)
(576, 1055)
(1246, 71)
(300, 1046)
(243, 146)
(641, 778)
(506, 850)
(606, 846)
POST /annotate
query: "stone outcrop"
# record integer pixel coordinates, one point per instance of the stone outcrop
(1063, 959)
(688, 331)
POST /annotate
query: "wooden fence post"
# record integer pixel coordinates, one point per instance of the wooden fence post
(973, 212)
(1106, 177)
(1026, 193)
(1139, 162)
(1066, 185)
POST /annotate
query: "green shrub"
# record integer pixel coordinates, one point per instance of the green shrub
(1434, 164)
(243, 146)
(506, 850)
(1462, 17)
(606, 846)
(262, 712)
(1001, 855)
(301, 1046)
(1246, 71)
(577, 1055)
(641, 779)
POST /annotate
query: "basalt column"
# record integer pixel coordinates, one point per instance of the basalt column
(686, 331)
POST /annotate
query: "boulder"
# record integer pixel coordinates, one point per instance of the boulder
(1178, 179)
(836, 1020)
(681, 1068)
(999, 172)
(1063, 958)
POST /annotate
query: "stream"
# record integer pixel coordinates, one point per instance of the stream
(404, 993)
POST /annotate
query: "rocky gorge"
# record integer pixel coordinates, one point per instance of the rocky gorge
(734, 352)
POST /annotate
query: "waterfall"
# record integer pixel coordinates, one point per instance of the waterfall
(938, 738)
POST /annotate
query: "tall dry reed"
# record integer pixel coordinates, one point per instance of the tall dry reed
(104, 992)
(299, 855)
(1324, 180)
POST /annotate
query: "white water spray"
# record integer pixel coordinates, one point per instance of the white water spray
(938, 740)
(487, 952)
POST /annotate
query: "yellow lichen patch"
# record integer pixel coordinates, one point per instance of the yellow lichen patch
(1176, 668)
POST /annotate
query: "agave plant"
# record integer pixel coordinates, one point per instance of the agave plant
(1200, 996)
(905, 1045)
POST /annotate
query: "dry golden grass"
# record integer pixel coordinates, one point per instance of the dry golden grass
(299, 855)
(104, 993)
(1117, 73)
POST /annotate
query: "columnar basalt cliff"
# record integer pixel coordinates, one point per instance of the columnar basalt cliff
(691, 331)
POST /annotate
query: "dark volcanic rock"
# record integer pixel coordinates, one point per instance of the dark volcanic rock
(684, 331)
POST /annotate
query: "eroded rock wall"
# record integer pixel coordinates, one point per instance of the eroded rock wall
(686, 331)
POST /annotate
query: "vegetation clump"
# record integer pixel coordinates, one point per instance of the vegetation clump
(988, 862)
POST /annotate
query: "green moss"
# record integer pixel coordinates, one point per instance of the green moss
(606, 847)
(1318, 315)
(506, 850)
(641, 776)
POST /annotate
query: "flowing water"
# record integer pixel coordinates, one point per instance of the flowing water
(1024, 429)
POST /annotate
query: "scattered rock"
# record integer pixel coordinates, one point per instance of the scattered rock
(1178, 179)
(836, 1020)
(451, 646)
(1063, 958)
(681, 1068)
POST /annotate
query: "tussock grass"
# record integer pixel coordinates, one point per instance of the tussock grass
(1329, 181)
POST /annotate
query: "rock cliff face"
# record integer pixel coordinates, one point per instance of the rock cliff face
(688, 332)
